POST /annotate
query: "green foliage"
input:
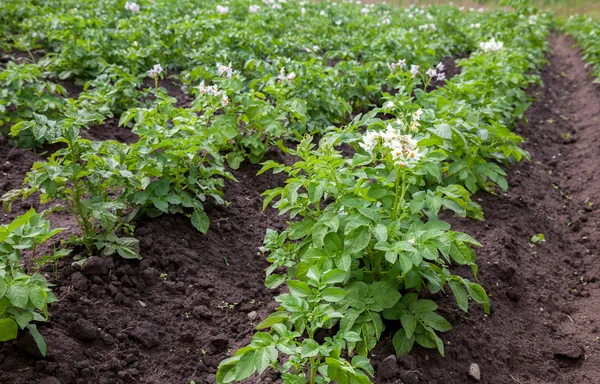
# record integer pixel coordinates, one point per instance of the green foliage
(587, 32)
(23, 298)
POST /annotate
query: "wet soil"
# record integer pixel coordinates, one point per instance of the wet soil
(171, 317)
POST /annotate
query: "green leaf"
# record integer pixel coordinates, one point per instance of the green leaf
(460, 294)
(18, 294)
(402, 344)
(438, 342)
(435, 321)
(352, 337)
(309, 348)
(245, 366)
(334, 276)
(272, 319)
(262, 359)
(2, 287)
(479, 296)
(357, 240)
(39, 340)
(421, 306)
(8, 329)
(299, 288)
(384, 294)
(333, 294)
(409, 323)
(200, 221)
(38, 296)
(300, 229)
(23, 318)
(380, 232)
(128, 248)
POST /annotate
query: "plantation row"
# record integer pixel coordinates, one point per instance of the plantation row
(587, 33)
(384, 143)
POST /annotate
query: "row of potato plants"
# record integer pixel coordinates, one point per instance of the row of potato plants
(587, 33)
(368, 246)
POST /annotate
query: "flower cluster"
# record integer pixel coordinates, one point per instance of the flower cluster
(400, 64)
(437, 72)
(475, 26)
(402, 148)
(283, 77)
(416, 120)
(315, 49)
(222, 9)
(210, 90)
(274, 4)
(425, 27)
(133, 7)
(213, 90)
(491, 45)
(155, 71)
(414, 70)
(225, 70)
(385, 21)
(253, 8)
(364, 11)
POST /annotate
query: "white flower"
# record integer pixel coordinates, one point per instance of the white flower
(339, 22)
(222, 10)
(440, 66)
(491, 45)
(224, 101)
(225, 70)
(414, 69)
(283, 77)
(370, 140)
(303, 11)
(390, 135)
(431, 72)
(417, 115)
(133, 7)
(441, 76)
(391, 67)
(211, 90)
(155, 71)
(386, 21)
(475, 26)
(364, 10)
(253, 8)
(323, 13)
(262, 249)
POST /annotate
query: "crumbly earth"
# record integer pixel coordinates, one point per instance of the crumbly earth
(173, 316)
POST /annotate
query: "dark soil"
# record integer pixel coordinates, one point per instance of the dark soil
(195, 298)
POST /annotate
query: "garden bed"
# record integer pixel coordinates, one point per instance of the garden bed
(193, 299)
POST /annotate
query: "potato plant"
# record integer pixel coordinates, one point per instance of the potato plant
(24, 298)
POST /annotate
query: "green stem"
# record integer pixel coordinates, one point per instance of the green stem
(399, 197)
(85, 226)
(335, 179)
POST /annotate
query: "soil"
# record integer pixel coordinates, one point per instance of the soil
(171, 317)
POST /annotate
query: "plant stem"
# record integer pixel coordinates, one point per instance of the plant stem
(82, 220)
(399, 197)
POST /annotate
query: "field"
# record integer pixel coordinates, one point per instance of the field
(299, 192)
